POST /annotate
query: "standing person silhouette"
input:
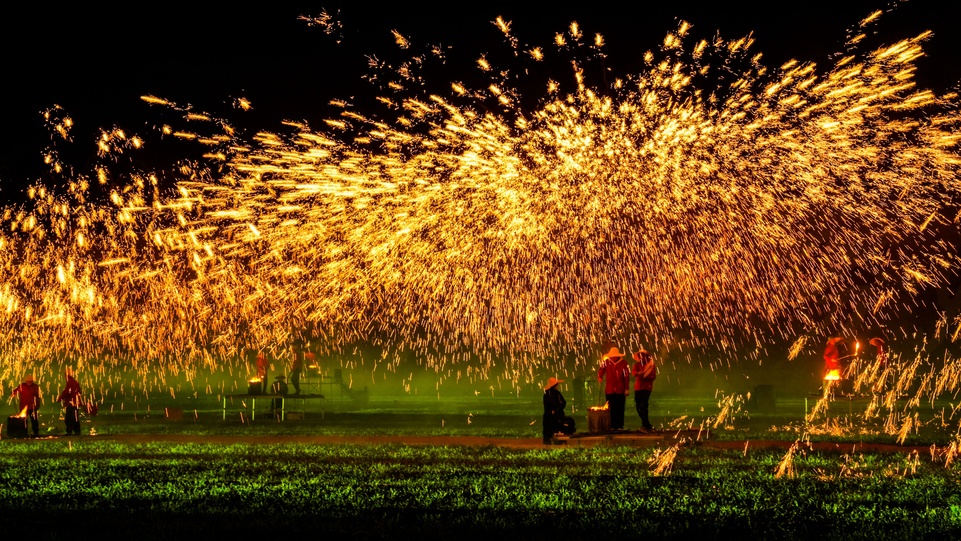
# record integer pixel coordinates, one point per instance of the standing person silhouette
(615, 375)
(832, 364)
(297, 366)
(644, 373)
(262, 366)
(29, 393)
(71, 397)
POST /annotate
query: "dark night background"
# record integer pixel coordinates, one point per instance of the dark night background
(96, 60)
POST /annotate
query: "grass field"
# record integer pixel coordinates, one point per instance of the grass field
(254, 478)
(389, 491)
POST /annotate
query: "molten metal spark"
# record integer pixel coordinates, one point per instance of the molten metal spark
(706, 197)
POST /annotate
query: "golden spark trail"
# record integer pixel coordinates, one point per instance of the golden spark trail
(673, 203)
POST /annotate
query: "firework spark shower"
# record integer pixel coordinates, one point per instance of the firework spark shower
(707, 197)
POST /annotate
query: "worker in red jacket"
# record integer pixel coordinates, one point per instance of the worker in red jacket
(644, 373)
(29, 393)
(615, 375)
(262, 365)
(832, 359)
(71, 397)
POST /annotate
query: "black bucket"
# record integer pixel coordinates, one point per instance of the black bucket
(16, 426)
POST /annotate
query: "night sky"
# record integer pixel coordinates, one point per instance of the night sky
(96, 61)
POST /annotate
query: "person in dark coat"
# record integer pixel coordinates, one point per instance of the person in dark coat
(554, 418)
(29, 393)
(71, 397)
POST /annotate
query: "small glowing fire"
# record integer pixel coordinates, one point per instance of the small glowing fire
(254, 380)
(23, 413)
(833, 375)
(599, 408)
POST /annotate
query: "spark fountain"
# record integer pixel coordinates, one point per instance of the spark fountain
(707, 202)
